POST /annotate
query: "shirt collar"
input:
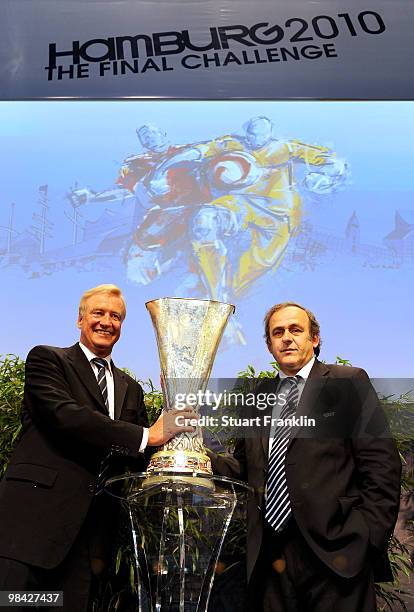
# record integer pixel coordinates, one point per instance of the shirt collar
(90, 356)
(303, 373)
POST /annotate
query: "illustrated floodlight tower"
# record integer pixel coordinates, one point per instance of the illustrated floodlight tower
(42, 229)
(10, 231)
(75, 218)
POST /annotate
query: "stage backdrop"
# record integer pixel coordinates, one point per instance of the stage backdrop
(249, 202)
(212, 49)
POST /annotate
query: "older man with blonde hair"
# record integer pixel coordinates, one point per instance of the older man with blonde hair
(77, 407)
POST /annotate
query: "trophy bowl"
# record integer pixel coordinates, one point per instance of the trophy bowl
(188, 333)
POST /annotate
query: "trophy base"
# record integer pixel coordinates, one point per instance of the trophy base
(175, 479)
(187, 466)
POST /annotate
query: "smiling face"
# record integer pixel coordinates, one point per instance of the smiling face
(291, 343)
(100, 323)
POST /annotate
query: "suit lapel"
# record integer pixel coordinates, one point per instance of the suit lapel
(86, 375)
(313, 387)
(120, 388)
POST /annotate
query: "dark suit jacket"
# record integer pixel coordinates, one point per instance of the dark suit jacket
(343, 476)
(49, 485)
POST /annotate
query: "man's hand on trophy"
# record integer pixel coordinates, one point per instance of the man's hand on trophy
(170, 423)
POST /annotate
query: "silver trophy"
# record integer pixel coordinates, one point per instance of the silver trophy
(188, 333)
(178, 511)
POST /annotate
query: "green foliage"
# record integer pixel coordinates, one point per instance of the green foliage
(391, 596)
(341, 361)
(400, 413)
(153, 401)
(246, 382)
(153, 397)
(250, 372)
(11, 396)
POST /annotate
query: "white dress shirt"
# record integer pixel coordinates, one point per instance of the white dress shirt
(108, 375)
(110, 387)
(284, 387)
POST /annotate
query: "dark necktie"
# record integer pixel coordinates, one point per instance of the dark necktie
(277, 500)
(101, 364)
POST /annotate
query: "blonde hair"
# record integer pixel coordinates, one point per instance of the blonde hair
(109, 289)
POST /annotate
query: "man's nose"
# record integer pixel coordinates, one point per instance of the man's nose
(105, 319)
(287, 336)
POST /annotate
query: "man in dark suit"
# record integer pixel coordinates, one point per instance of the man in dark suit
(325, 497)
(78, 406)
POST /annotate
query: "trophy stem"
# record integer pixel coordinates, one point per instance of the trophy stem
(179, 529)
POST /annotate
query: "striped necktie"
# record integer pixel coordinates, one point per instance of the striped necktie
(278, 507)
(102, 364)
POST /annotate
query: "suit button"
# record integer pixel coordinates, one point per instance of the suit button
(92, 488)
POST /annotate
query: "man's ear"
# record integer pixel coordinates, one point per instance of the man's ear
(315, 340)
(79, 322)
